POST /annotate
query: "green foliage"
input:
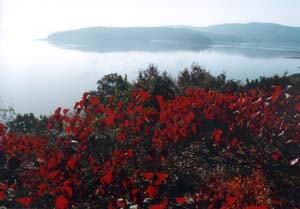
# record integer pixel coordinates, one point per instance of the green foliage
(152, 81)
(114, 85)
(161, 83)
(28, 124)
(198, 77)
(265, 83)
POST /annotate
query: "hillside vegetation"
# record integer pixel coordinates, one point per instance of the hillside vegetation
(199, 141)
(123, 39)
(103, 39)
(258, 32)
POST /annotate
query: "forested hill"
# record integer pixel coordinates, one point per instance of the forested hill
(103, 39)
(136, 38)
(253, 32)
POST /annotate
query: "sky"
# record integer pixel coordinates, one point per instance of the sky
(35, 18)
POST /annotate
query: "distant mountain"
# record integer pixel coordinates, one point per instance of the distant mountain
(217, 38)
(103, 39)
(255, 32)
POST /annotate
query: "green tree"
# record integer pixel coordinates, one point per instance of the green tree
(28, 124)
(152, 81)
(113, 85)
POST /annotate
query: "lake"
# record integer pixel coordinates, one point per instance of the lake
(38, 77)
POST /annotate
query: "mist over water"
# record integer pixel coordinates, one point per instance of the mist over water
(38, 77)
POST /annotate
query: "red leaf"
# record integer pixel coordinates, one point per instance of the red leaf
(157, 206)
(277, 92)
(68, 129)
(130, 153)
(2, 196)
(3, 187)
(42, 186)
(217, 135)
(94, 100)
(68, 190)
(121, 204)
(234, 143)
(121, 137)
(161, 177)
(135, 191)
(208, 114)
(276, 156)
(52, 162)
(72, 162)
(152, 191)
(194, 129)
(25, 201)
(160, 100)
(189, 117)
(256, 207)
(148, 175)
(107, 178)
(230, 200)
(277, 202)
(111, 205)
(111, 99)
(163, 116)
(49, 125)
(297, 107)
(61, 202)
(110, 118)
(65, 111)
(180, 200)
(53, 174)
(2, 126)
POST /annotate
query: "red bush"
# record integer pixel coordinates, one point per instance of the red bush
(119, 154)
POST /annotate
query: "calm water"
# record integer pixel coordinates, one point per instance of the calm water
(37, 77)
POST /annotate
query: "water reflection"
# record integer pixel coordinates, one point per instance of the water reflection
(38, 77)
(253, 51)
(153, 46)
(247, 50)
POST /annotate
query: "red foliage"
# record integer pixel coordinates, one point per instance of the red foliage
(144, 140)
(72, 162)
(297, 107)
(94, 100)
(217, 135)
(107, 178)
(162, 177)
(148, 175)
(180, 200)
(2, 195)
(25, 201)
(152, 191)
(53, 174)
(276, 156)
(4, 187)
(157, 206)
(61, 202)
(277, 92)
(256, 207)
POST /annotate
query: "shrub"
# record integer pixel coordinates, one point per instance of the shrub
(197, 149)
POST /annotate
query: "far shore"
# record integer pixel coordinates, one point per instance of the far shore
(292, 57)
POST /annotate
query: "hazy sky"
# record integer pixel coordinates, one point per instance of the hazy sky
(35, 17)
